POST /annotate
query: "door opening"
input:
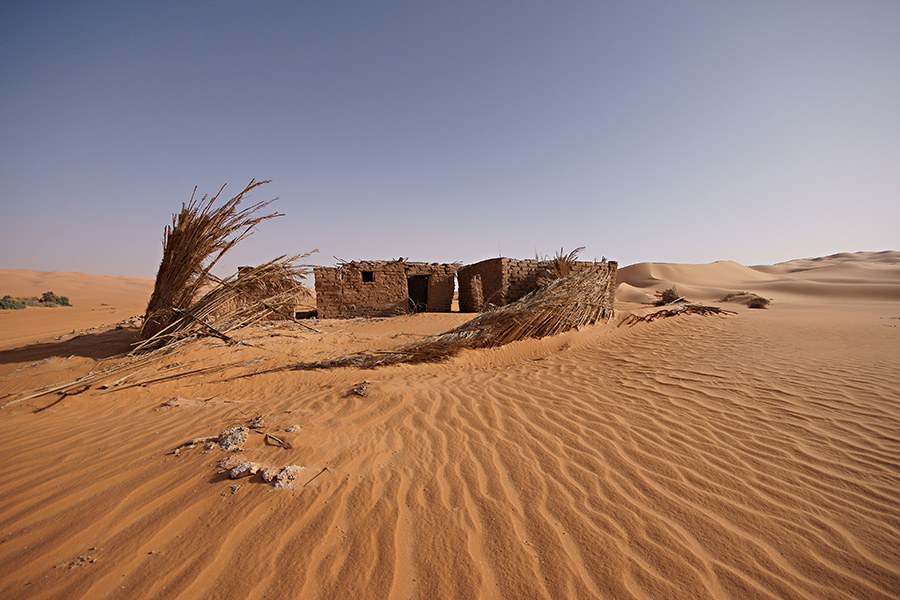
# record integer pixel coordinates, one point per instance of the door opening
(418, 292)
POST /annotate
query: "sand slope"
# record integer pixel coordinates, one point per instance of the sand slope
(846, 276)
(750, 456)
(95, 299)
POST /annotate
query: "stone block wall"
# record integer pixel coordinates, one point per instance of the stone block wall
(379, 288)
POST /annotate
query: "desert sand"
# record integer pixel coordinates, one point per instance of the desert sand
(753, 455)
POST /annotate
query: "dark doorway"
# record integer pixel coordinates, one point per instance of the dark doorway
(418, 292)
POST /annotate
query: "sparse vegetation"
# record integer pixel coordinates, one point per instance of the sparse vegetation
(749, 299)
(198, 237)
(561, 265)
(10, 303)
(668, 296)
(47, 300)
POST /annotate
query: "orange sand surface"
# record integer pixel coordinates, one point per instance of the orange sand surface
(754, 455)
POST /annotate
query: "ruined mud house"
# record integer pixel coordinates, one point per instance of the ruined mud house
(500, 281)
(386, 288)
(383, 288)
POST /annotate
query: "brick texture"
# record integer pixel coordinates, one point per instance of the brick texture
(380, 288)
(499, 281)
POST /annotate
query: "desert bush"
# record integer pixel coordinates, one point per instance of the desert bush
(668, 296)
(47, 300)
(758, 302)
(750, 299)
(51, 299)
(10, 303)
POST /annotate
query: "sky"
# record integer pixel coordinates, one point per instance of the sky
(682, 131)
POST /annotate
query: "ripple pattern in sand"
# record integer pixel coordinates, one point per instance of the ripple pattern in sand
(695, 458)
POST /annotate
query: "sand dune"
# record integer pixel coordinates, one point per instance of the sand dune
(96, 300)
(865, 275)
(748, 456)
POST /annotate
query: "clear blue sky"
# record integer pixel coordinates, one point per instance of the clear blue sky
(676, 131)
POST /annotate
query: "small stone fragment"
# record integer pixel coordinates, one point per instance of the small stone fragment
(244, 469)
(230, 462)
(292, 428)
(231, 439)
(258, 422)
(287, 477)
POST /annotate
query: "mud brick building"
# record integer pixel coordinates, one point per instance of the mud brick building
(383, 288)
(499, 281)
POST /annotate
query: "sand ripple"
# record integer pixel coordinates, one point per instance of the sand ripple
(688, 458)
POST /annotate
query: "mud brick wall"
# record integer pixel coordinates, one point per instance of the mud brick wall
(441, 283)
(481, 284)
(500, 281)
(379, 288)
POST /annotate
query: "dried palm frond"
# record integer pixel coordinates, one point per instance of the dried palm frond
(687, 309)
(668, 296)
(271, 290)
(580, 299)
(561, 265)
(192, 245)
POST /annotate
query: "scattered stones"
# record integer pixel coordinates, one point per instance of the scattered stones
(282, 478)
(286, 478)
(81, 561)
(245, 469)
(270, 474)
(360, 389)
(232, 439)
(258, 422)
(235, 487)
(230, 462)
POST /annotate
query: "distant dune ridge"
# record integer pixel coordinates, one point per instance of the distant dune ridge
(872, 275)
(754, 455)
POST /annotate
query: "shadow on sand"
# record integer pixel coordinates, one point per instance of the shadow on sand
(105, 344)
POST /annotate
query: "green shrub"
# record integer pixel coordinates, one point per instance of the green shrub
(47, 300)
(10, 303)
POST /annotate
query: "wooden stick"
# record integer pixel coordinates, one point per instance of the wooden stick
(316, 475)
(277, 441)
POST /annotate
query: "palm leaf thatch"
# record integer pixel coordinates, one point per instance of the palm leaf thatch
(271, 290)
(197, 239)
(562, 264)
(583, 298)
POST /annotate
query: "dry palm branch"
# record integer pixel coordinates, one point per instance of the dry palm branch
(577, 300)
(271, 290)
(562, 264)
(197, 239)
(686, 309)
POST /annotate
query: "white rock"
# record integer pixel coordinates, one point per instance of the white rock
(231, 439)
(244, 469)
(286, 478)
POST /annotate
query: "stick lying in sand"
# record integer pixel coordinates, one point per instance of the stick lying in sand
(277, 441)
(316, 475)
